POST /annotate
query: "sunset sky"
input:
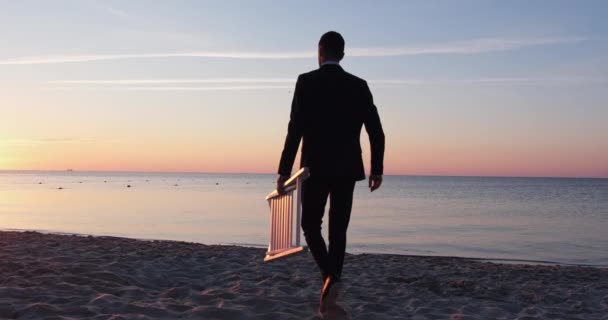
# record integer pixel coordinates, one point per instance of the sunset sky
(499, 88)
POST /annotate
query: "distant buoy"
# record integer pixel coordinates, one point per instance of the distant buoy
(39, 182)
(217, 183)
(176, 185)
(128, 186)
(60, 188)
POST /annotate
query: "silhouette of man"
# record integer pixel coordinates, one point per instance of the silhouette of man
(329, 108)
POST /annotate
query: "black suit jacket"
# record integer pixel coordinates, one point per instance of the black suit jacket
(329, 108)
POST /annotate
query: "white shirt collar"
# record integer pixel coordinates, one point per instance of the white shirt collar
(330, 62)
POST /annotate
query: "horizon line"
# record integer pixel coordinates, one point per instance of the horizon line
(271, 173)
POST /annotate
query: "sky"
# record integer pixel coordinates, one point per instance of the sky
(481, 88)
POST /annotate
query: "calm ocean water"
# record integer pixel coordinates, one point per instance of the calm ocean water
(538, 219)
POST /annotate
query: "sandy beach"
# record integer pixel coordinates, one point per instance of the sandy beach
(47, 276)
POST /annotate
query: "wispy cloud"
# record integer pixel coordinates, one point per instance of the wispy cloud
(198, 54)
(173, 81)
(236, 84)
(103, 5)
(125, 82)
(178, 88)
(523, 81)
(463, 47)
(549, 80)
(474, 46)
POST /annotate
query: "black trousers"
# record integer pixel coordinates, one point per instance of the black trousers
(315, 191)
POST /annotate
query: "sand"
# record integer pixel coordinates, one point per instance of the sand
(45, 276)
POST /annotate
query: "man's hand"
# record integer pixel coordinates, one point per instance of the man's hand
(281, 184)
(374, 182)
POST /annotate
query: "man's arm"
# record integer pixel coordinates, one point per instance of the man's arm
(373, 126)
(294, 135)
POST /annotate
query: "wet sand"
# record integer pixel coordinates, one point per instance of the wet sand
(46, 276)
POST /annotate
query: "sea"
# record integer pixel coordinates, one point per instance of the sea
(534, 220)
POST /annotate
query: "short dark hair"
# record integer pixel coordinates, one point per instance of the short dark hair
(331, 45)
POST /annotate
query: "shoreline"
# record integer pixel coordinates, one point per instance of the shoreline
(256, 246)
(47, 276)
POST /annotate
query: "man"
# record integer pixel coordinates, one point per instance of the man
(329, 108)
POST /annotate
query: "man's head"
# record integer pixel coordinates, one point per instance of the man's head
(331, 47)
